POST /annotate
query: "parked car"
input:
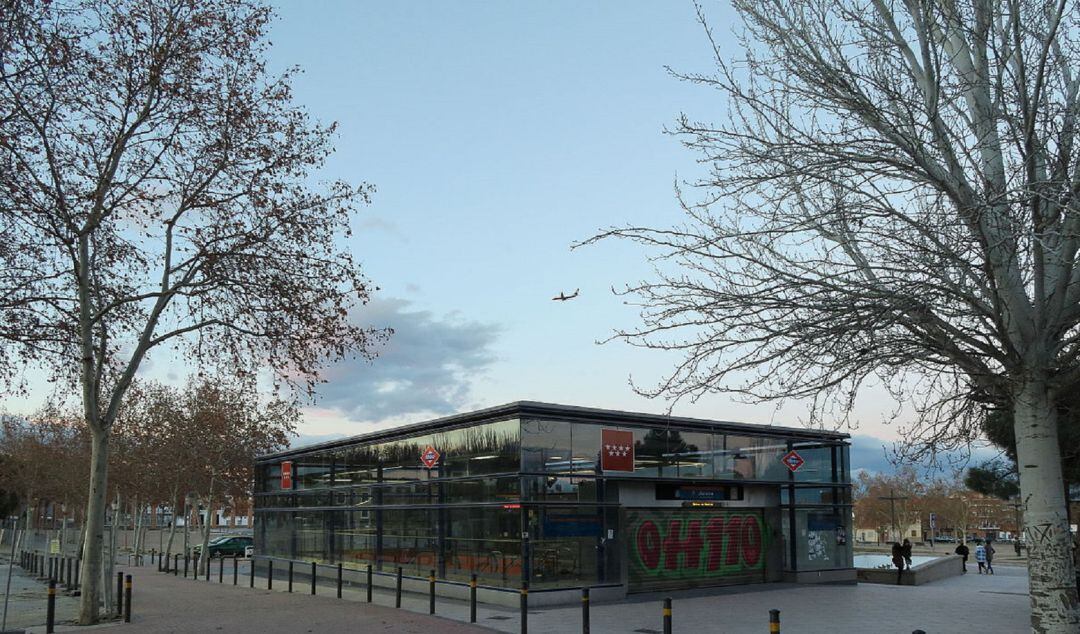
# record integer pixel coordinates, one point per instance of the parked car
(227, 546)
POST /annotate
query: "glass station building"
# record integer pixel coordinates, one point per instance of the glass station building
(567, 497)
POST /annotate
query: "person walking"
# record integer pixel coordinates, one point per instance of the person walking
(963, 551)
(980, 555)
(905, 550)
(898, 561)
(990, 556)
(1016, 546)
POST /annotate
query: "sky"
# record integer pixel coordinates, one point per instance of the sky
(498, 134)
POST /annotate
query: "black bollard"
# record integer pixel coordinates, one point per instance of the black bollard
(221, 569)
(472, 599)
(431, 593)
(369, 583)
(397, 597)
(235, 570)
(314, 575)
(339, 580)
(524, 607)
(78, 564)
(127, 599)
(50, 609)
(290, 575)
(186, 559)
(667, 616)
(176, 564)
(251, 578)
(71, 584)
(208, 560)
(119, 593)
(774, 622)
(584, 611)
(270, 574)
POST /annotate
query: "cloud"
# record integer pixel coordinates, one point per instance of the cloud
(427, 368)
(876, 455)
(304, 440)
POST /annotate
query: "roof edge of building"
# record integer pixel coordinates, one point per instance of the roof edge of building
(570, 413)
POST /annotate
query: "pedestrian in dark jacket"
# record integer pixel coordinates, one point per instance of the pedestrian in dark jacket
(963, 551)
(905, 550)
(898, 560)
(990, 556)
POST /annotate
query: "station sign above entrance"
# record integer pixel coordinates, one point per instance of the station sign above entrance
(616, 450)
(430, 457)
(793, 460)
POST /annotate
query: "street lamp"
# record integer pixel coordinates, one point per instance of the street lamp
(892, 498)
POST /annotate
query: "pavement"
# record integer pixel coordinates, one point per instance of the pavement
(969, 603)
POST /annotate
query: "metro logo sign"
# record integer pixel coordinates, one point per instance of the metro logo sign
(793, 460)
(430, 457)
(616, 450)
(286, 475)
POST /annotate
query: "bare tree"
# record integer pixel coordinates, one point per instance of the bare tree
(894, 199)
(155, 193)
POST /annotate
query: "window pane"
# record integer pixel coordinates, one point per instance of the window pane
(546, 446)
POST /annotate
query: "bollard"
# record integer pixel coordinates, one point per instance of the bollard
(119, 593)
(67, 561)
(235, 570)
(774, 621)
(78, 564)
(251, 579)
(584, 611)
(369, 583)
(290, 575)
(221, 569)
(186, 558)
(472, 598)
(314, 575)
(208, 560)
(397, 597)
(339, 580)
(270, 574)
(176, 564)
(667, 616)
(127, 599)
(50, 610)
(524, 607)
(431, 593)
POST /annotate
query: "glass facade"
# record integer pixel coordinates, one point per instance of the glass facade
(530, 498)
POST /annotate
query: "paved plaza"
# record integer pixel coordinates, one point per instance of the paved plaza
(163, 603)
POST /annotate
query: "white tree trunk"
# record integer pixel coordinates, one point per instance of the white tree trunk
(93, 540)
(1052, 578)
(205, 553)
(172, 525)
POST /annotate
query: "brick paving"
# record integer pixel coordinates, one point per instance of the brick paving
(970, 603)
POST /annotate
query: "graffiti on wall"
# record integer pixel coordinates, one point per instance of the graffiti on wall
(669, 544)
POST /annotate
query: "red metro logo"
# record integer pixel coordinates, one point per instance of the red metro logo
(703, 546)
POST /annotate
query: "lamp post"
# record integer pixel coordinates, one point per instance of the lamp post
(892, 498)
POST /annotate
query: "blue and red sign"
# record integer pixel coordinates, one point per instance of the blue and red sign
(793, 460)
(430, 457)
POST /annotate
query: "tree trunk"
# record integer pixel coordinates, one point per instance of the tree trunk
(1051, 576)
(205, 553)
(175, 509)
(95, 528)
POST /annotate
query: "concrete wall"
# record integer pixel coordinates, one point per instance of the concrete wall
(940, 568)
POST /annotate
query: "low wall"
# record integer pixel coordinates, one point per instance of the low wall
(940, 568)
